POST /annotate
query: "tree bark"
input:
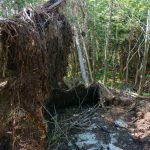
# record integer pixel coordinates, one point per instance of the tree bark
(145, 57)
(107, 43)
(82, 66)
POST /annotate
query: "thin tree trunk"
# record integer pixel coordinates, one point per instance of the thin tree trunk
(94, 40)
(107, 43)
(114, 69)
(145, 57)
(128, 58)
(138, 67)
(4, 9)
(87, 59)
(16, 7)
(121, 64)
(84, 29)
(82, 66)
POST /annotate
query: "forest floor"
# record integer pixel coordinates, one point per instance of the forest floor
(124, 126)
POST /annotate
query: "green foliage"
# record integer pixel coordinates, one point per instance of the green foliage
(128, 21)
(10, 5)
(127, 15)
(146, 94)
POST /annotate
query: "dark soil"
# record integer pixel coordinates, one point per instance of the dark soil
(98, 131)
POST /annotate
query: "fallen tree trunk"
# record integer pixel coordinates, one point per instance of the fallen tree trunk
(34, 47)
(79, 96)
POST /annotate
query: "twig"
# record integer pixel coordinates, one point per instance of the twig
(55, 4)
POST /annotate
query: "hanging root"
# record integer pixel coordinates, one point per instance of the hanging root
(34, 47)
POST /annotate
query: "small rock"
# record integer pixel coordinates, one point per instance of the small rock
(120, 123)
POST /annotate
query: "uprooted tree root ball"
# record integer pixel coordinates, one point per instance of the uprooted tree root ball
(34, 47)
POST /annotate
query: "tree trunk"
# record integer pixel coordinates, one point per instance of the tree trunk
(145, 57)
(83, 30)
(4, 9)
(107, 43)
(82, 66)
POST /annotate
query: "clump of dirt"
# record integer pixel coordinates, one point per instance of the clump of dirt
(142, 120)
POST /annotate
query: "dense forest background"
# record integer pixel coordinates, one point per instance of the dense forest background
(111, 43)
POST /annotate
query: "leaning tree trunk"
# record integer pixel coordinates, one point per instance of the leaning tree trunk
(145, 57)
(80, 56)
